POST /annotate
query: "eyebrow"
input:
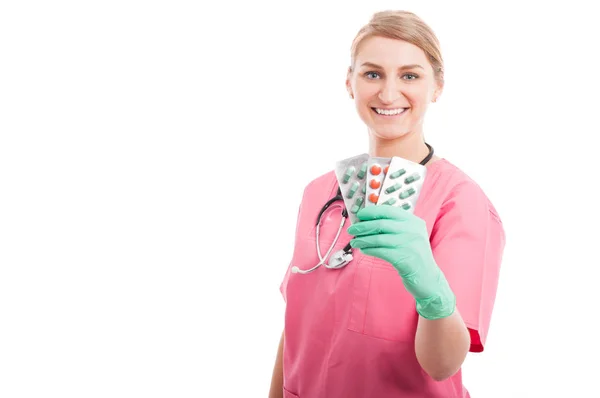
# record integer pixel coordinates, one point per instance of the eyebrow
(412, 66)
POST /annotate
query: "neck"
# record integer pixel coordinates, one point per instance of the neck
(410, 146)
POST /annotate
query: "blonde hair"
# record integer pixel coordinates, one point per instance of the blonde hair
(406, 26)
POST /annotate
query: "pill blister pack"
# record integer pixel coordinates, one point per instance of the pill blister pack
(351, 174)
(376, 172)
(372, 181)
(402, 184)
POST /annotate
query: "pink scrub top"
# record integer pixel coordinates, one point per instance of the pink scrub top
(350, 332)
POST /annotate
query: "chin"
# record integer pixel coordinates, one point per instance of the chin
(388, 133)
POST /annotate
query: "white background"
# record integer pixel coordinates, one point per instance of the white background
(152, 158)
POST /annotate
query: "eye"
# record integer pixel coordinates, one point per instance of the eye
(411, 75)
(370, 75)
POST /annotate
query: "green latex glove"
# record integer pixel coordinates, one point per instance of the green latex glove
(400, 238)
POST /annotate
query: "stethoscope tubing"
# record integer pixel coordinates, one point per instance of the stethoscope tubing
(345, 255)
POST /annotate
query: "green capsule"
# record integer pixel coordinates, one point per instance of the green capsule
(397, 174)
(406, 206)
(353, 189)
(362, 171)
(354, 209)
(393, 188)
(412, 178)
(390, 201)
(349, 171)
(364, 190)
(407, 193)
(359, 201)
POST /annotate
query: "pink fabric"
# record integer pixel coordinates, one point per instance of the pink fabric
(349, 333)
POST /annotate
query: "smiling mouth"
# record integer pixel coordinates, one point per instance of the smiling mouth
(389, 112)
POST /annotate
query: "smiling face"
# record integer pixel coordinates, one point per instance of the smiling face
(392, 84)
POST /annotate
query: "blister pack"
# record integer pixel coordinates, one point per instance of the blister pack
(376, 172)
(402, 184)
(351, 174)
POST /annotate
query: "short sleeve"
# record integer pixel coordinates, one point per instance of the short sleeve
(467, 241)
(283, 286)
(286, 277)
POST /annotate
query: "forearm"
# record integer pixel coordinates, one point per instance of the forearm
(442, 345)
(402, 239)
(276, 390)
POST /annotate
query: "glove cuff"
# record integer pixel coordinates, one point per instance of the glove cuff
(440, 305)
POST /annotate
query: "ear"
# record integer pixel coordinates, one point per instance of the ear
(437, 92)
(348, 83)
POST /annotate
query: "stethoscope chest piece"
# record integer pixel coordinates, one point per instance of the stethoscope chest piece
(340, 259)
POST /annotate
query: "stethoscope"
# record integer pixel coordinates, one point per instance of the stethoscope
(342, 257)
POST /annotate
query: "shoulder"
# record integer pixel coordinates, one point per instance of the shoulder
(466, 215)
(323, 184)
(461, 192)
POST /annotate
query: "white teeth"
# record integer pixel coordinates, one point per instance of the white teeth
(390, 112)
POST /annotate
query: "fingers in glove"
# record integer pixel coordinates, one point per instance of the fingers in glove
(382, 212)
(375, 227)
(375, 241)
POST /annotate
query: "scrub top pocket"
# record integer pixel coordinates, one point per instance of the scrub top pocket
(288, 394)
(381, 307)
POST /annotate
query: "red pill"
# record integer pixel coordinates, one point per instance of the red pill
(375, 169)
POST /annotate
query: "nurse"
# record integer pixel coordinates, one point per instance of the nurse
(400, 318)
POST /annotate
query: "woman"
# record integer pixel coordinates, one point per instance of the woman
(400, 318)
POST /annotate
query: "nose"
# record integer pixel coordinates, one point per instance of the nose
(389, 92)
